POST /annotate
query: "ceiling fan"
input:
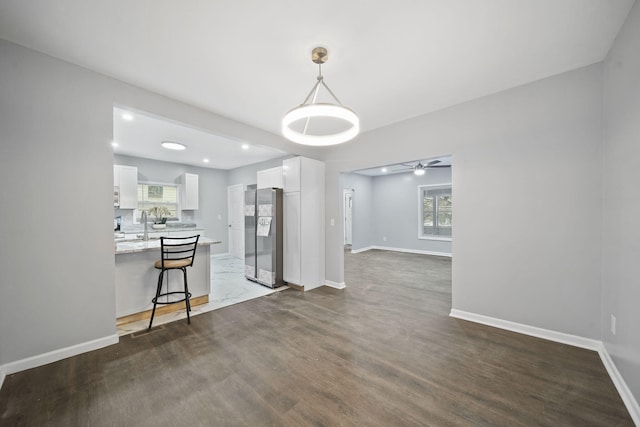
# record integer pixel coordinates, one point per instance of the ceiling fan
(420, 168)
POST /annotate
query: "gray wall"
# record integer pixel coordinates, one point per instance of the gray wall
(529, 156)
(538, 142)
(363, 228)
(57, 119)
(395, 210)
(387, 206)
(621, 221)
(57, 258)
(212, 192)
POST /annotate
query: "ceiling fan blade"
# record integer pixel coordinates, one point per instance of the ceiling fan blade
(439, 166)
(432, 162)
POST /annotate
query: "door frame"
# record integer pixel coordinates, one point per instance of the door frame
(231, 188)
(347, 209)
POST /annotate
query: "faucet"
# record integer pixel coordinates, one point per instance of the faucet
(145, 236)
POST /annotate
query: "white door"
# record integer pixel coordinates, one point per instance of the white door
(235, 212)
(348, 217)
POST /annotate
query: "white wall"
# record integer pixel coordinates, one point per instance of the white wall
(621, 218)
(212, 189)
(55, 236)
(529, 158)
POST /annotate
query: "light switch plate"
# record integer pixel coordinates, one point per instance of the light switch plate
(613, 324)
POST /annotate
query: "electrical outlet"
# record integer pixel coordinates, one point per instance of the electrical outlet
(384, 238)
(333, 222)
(613, 324)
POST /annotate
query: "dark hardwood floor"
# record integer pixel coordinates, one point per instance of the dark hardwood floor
(382, 352)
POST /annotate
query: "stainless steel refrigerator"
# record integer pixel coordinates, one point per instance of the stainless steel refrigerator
(263, 236)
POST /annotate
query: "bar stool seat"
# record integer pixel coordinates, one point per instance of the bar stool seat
(169, 264)
(177, 253)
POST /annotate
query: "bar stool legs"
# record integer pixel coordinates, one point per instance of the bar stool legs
(177, 253)
(187, 296)
(186, 293)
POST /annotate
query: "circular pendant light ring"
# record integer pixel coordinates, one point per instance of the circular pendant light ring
(314, 109)
(309, 111)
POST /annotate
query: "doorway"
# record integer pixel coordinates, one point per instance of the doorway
(348, 217)
(235, 200)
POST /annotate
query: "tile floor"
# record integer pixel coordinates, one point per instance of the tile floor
(228, 287)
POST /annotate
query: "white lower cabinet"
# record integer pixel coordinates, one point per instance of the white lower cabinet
(304, 259)
(291, 235)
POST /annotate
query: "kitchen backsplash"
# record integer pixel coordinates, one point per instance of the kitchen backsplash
(126, 221)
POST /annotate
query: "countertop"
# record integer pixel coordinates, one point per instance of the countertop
(128, 247)
(134, 231)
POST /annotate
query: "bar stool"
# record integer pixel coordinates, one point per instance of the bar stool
(177, 253)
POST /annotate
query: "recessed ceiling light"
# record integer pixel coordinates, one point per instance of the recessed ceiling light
(245, 146)
(205, 160)
(127, 116)
(383, 170)
(114, 144)
(170, 145)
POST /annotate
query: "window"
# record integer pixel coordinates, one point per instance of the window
(150, 195)
(436, 210)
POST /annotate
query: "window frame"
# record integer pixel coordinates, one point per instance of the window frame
(421, 189)
(137, 212)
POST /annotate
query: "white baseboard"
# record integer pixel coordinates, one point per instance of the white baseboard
(2, 375)
(335, 284)
(627, 397)
(55, 355)
(357, 251)
(590, 344)
(574, 340)
(410, 251)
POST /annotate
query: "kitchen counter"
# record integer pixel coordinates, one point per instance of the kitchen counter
(132, 246)
(173, 231)
(137, 278)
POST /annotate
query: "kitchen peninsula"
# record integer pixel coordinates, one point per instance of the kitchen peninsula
(137, 278)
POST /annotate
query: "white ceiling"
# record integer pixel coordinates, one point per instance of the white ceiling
(142, 135)
(388, 60)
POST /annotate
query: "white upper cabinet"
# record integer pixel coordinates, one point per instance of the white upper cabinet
(270, 178)
(291, 174)
(126, 179)
(189, 192)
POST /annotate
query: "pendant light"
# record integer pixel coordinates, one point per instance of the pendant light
(314, 110)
